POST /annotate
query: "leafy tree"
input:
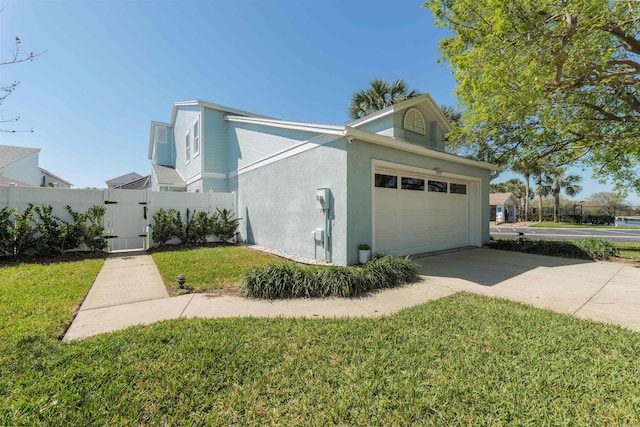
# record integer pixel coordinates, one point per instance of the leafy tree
(548, 78)
(555, 182)
(379, 96)
(608, 203)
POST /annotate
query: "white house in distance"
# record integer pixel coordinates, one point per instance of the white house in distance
(130, 181)
(503, 207)
(20, 165)
(319, 191)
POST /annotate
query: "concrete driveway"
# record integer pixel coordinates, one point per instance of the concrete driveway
(603, 291)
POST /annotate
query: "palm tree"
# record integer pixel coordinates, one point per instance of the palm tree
(557, 181)
(452, 114)
(542, 190)
(526, 168)
(379, 96)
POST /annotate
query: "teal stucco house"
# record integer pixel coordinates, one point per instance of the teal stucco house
(319, 191)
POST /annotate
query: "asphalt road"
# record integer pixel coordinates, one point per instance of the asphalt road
(614, 235)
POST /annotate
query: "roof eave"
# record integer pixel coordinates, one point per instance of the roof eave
(412, 148)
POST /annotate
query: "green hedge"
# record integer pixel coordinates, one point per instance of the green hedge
(38, 232)
(586, 219)
(296, 281)
(197, 226)
(591, 248)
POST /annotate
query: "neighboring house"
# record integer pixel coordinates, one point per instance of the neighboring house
(47, 179)
(19, 165)
(123, 179)
(138, 184)
(503, 207)
(319, 191)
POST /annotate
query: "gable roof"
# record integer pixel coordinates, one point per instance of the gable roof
(168, 176)
(500, 199)
(137, 184)
(200, 103)
(10, 153)
(348, 131)
(133, 177)
(425, 97)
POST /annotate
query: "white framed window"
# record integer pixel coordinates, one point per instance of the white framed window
(187, 147)
(414, 121)
(196, 137)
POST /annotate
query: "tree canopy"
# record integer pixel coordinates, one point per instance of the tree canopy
(547, 79)
(378, 96)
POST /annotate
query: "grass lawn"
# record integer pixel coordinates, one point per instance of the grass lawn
(549, 224)
(629, 250)
(209, 268)
(461, 360)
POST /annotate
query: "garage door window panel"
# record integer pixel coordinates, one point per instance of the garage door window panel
(412, 184)
(438, 186)
(457, 188)
(386, 181)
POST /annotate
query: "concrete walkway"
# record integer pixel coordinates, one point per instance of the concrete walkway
(129, 291)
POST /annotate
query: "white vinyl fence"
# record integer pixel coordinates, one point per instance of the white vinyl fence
(129, 212)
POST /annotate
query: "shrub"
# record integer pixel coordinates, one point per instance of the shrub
(163, 227)
(225, 224)
(7, 235)
(24, 232)
(294, 281)
(597, 248)
(592, 248)
(92, 228)
(38, 232)
(201, 227)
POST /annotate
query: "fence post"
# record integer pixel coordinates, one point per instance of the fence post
(12, 195)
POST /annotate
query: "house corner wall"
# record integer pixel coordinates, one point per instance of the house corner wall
(278, 206)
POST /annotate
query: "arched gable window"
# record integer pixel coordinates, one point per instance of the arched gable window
(414, 121)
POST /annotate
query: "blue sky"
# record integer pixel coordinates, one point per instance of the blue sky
(110, 68)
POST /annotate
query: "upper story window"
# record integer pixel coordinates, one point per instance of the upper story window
(414, 121)
(196, 137)
(187, 147)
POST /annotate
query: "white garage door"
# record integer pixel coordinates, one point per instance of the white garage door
(416, 213)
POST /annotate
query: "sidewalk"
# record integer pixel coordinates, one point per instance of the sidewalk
(129, 291)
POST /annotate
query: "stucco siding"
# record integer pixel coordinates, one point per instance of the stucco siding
(278, 206)
(360, 187)
(249, 143)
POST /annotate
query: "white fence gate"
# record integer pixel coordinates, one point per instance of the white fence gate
(126, 220)
(129, 212)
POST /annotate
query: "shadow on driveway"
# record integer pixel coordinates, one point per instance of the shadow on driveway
(489, 267)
